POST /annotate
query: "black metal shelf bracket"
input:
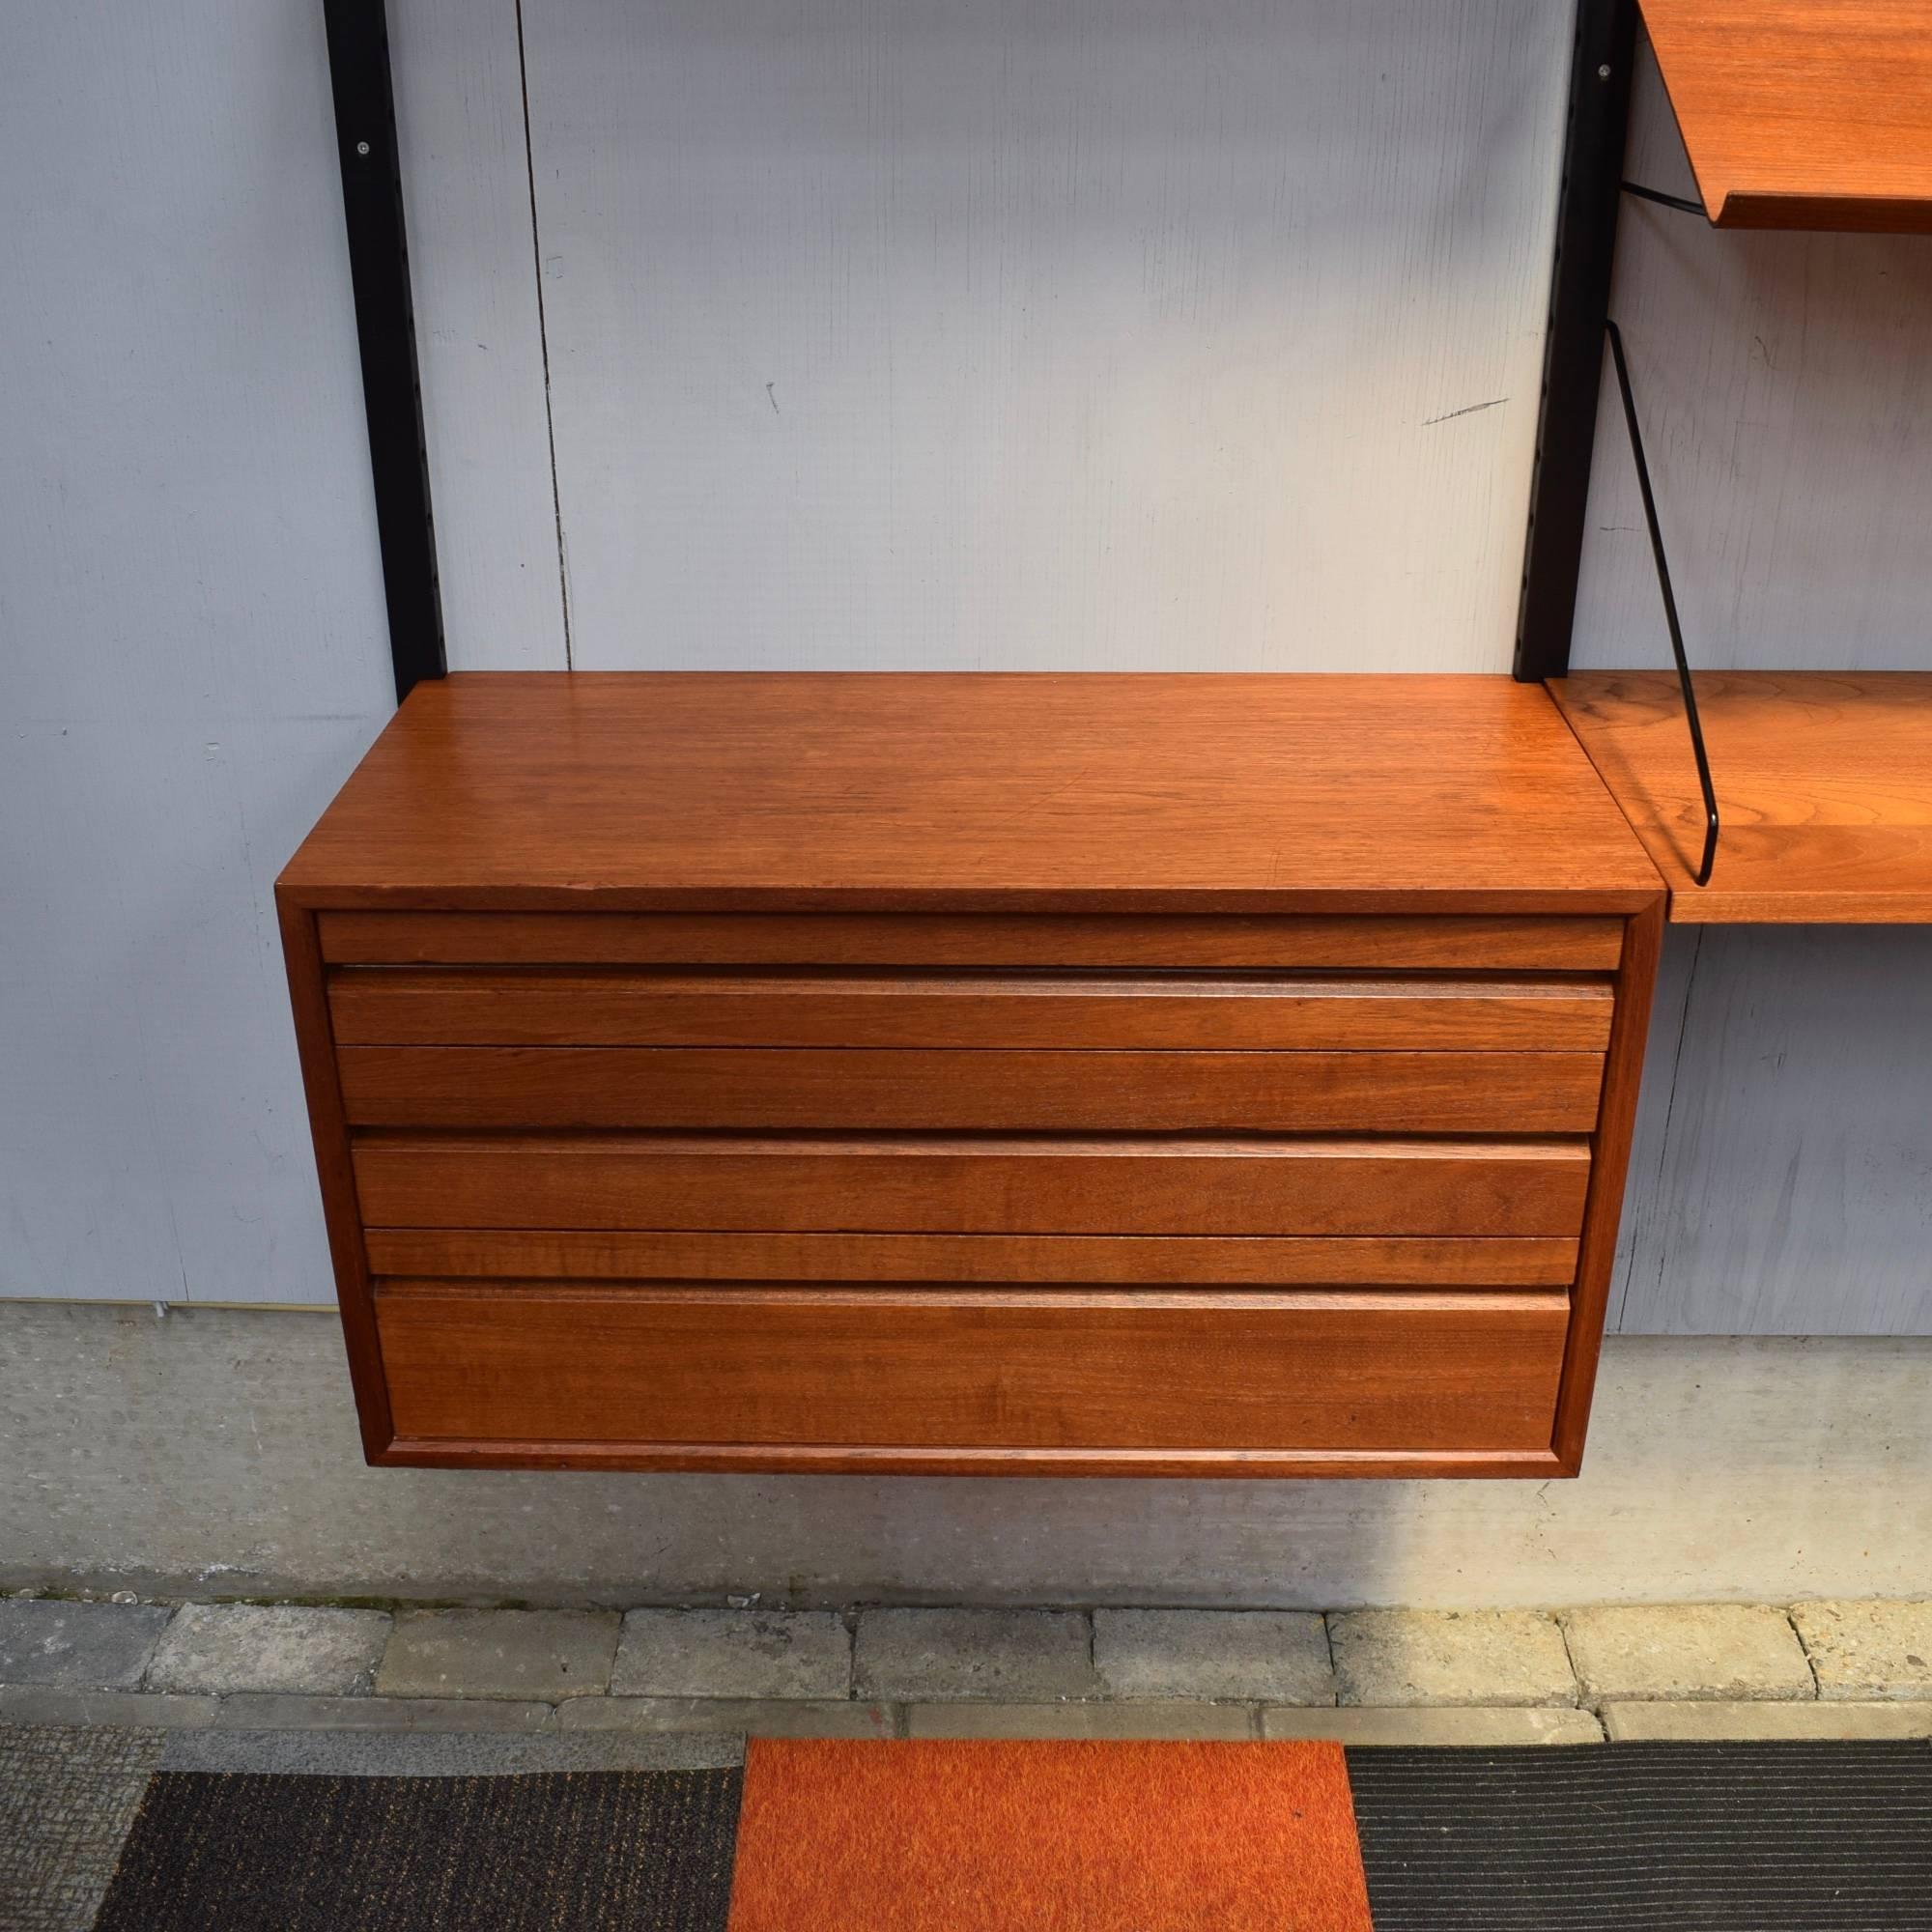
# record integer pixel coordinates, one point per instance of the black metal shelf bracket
(1663, 200)
(1684, 678)
(386, 330)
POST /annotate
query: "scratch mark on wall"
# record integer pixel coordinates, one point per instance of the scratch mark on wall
(1473, 408)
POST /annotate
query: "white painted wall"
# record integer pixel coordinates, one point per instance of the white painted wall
(1098, 334)
(1782, 1178)
(1003, 265)
(193, 645)
(1787, 415)
(457, 71)
(1103, 337)
(1781, 1181)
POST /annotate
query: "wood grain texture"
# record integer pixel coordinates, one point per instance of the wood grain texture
(1823, 783)
(818, 1368)
(725, 1458)
(714, 791)
(866, 983)
(1004, 1185)
(341, 1210)
(377, 1008)
(1802, 113)
(577, 1254)
(1451, 943)
(1609, 1164)
(858, 1090)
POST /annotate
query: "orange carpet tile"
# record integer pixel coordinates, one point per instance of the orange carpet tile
(879, 1836)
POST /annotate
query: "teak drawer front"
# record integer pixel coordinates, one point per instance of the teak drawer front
(403, 1007)
(1004, 1185)
(580, 1254)
(855, 1090)
(1451, 943)
(970, 1371)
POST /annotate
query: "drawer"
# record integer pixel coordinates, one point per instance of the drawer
(1446, 943)
(855, 1090)
(591, 1253)
(1004, 1185)
(1226, 1012)
(558, 1369)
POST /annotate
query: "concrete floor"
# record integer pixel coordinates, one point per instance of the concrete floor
(214, 1452)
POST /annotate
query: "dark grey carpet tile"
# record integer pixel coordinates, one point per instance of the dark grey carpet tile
(572, 1852)
(68, 1797)
(1665, 1837)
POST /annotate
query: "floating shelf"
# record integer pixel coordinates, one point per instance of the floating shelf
(1802, 113)
(1824, 780)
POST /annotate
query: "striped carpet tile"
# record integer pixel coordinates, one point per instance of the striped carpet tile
(1664, 1837)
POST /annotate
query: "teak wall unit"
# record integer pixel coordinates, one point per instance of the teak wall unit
(1115, 1074)
(1004, 1075)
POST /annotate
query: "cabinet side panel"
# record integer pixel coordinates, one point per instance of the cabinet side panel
(1611, 1146)
(341, 1212)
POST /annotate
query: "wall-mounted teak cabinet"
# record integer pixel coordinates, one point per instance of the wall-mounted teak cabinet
(993, 1074)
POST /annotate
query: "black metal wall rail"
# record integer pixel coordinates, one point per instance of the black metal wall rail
(1579, 325)
(365, 125)
(1572, 356)
(386, 328)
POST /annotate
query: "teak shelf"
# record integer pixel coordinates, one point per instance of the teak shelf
(1802, 113)
(1003, 1074)
(1824, 778)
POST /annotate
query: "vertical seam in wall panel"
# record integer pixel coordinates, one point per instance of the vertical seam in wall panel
(1664, 1139)
(543, 335)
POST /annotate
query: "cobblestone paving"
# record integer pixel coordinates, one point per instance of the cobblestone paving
(94, 1696)
(970, 1671)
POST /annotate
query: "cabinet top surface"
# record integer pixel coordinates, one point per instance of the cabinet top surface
(899, 792)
